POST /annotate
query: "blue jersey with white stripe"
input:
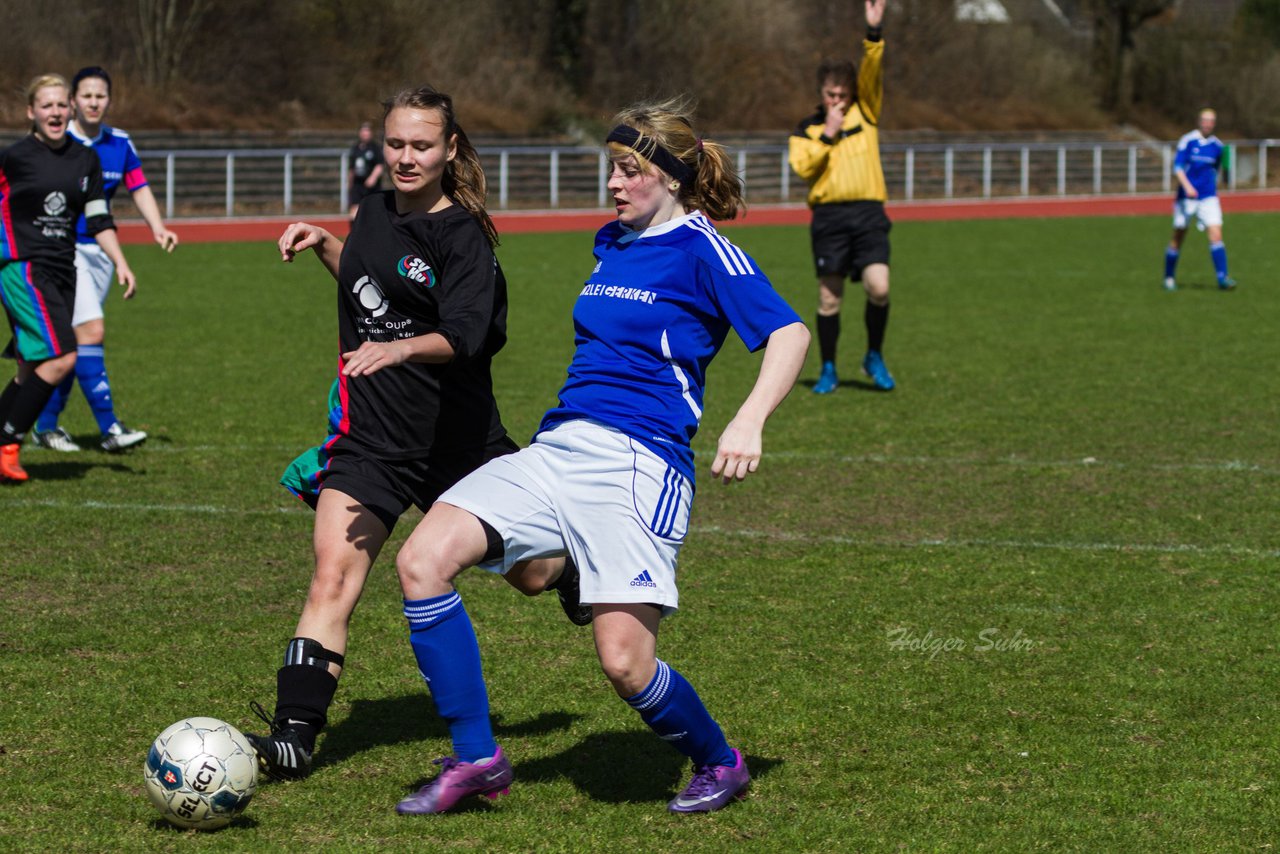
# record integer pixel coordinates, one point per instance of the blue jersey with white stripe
(1199, 158)
(120, 165)
(648, 322)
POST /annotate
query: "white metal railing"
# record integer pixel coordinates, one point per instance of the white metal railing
(238, 181)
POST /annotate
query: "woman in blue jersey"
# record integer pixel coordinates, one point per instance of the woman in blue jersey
(608, 479)
(91, 96)
(47, 182)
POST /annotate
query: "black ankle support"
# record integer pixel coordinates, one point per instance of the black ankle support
(304, 694)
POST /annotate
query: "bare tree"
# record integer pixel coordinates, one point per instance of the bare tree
(1114, 24)
(163, 31)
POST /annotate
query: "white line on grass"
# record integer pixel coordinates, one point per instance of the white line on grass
(153, 508)
(1084, 462)
(964, 543)
(716, 530)
(831, 456)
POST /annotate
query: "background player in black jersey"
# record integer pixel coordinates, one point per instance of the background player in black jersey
(422, 308)
(364, 175)
(47, 180)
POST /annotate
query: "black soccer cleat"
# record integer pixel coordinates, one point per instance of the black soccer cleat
(281, 755)
(568, 590)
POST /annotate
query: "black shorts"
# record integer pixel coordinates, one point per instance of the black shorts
(358, 191)
(388, 487)
(848, 237)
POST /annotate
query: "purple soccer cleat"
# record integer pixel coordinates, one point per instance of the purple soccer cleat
(713, 787)
(458, 780)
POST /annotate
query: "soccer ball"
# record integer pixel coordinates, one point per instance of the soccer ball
(201, 773)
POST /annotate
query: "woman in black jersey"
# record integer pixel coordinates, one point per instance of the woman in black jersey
(47, 180)
(422, 309)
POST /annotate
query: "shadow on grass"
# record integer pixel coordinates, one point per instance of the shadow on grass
(1203, 286)
(241, 822)
(625, 766)
(629, 766)
(45, 468)
(859, 384)
(412, 718)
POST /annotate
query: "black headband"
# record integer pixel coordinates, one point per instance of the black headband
(649, 148)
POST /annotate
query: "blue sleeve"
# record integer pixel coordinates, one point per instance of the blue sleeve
(1180, 157)
(750, 304)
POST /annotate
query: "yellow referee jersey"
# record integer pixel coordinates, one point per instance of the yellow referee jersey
(846, 169)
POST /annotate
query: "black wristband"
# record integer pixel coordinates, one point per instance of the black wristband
(826, 140)
(875, 34)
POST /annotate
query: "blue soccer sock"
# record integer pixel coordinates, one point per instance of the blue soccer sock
(673, 710)
(1170, 261)
(48, 419)
(448, 655)
(91, 371)
(1218, 252)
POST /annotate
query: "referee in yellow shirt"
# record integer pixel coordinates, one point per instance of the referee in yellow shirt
(837, 150)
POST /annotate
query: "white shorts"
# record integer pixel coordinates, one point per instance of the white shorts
(93, 282)
(1207, 212)
(592, 493)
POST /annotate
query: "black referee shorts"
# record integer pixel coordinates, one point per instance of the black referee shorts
(357, 192)
(388, 487)
(848, 237)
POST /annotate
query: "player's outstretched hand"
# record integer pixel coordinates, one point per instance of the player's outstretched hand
(373, 356)
(298, 237)
(127, 281)
(875, 12)
(166, 238)
(737, 452)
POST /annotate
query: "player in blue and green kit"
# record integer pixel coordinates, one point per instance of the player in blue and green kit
(1200, 155)
(47, 181)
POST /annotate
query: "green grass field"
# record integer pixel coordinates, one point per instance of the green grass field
(1026, 601)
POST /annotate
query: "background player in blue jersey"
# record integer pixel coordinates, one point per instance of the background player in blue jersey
(422, 307)
(608, 479)
(47, 182)
(1196, 164)
(91, 95)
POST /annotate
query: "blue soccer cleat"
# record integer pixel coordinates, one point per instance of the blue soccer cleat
(873, 366)
(1226, 283)
(827, 380)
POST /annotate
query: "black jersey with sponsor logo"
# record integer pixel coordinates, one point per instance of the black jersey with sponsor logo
(43, 192)
(402, 276)
(364, 158)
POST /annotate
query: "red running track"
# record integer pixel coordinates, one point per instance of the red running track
(1251, 201)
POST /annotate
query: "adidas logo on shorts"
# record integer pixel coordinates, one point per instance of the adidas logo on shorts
(643, 580)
